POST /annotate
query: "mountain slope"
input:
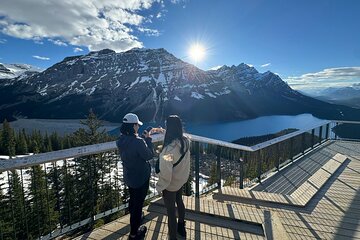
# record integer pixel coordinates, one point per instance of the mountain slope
(153, 83)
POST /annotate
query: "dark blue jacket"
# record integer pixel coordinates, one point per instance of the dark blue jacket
(135, 153)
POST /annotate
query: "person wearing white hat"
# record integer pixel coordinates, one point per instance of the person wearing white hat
(135, 154)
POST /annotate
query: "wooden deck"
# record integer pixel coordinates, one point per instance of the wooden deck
(333, 212)
(298, 198)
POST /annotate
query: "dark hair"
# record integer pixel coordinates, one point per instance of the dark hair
(127, 129)
(174, 130)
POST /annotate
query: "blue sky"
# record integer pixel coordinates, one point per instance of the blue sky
(308, 43)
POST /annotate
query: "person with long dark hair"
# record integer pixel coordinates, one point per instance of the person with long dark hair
(174, 164)
(135, 154)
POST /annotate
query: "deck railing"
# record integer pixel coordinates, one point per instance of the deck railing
(50, 194)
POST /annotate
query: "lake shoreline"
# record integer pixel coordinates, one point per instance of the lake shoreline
(225, 131)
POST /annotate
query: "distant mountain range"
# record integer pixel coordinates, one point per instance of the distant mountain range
(349, 96)
(153, 83)
(15, 70)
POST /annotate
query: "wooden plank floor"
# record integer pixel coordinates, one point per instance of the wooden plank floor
(157, 229)
(289, 179)
(300, 197)
(333, 213)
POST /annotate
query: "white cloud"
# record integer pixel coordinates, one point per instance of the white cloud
(41, 58)
(149, 32)
(58, 42)
(265, 65)
(330, 77)
(3, 41)
(78, 50)
(96, 24)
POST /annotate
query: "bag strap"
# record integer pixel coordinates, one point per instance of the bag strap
(182, 156)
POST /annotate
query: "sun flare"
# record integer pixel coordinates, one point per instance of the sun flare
(197, 52)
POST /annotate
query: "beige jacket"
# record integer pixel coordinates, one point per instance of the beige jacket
(172, 179)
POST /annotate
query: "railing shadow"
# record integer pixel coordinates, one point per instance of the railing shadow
(125, 230)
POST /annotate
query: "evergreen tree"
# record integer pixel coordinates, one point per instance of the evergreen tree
(229, 181)
(5, 227)
(8, 139)
(213, 175)
(18, 205)
(66, 142)
(21, 146)
(70, 204)
(56, 181)
(90, 168)
(56, 142)
(47, 143)
(44, 217)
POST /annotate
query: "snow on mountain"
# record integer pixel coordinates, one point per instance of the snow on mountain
(152, 83)
(9, 71)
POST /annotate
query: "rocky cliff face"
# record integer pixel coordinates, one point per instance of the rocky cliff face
(153, 83)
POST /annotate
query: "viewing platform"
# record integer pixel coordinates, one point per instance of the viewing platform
(331, 212)
(303, 185)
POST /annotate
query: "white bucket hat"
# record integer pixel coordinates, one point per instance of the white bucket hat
(132, 118)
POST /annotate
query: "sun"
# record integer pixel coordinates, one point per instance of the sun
(197, 52)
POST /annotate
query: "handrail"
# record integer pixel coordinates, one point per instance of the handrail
(342, 121)
(21, 162)
(28, 161)
(285, 137)
(32, 160)
(218, 142)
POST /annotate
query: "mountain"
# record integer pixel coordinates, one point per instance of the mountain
(10, 71)
(154, 83)
(349, 96)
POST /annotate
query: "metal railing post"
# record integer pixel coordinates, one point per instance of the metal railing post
(259, 170)
(303, 142)
(327, 131)
(241, 173)
(197, 169)
(320, 134)
(312, 138)
(218, 166)
(292, 149)
(278, 157)
(336, 125)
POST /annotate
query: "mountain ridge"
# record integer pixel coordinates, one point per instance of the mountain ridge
(154, 83)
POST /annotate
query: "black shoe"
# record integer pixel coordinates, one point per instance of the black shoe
(181, 229)
(142, 216)
(140, 233)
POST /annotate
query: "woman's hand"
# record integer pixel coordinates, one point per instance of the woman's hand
(146, 134)
(157, 130)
